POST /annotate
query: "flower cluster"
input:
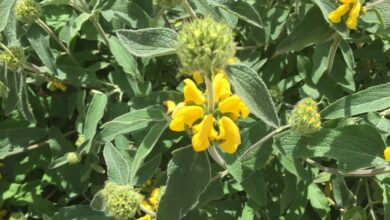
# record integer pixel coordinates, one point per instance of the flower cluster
(13, 58)
(152, 202)
(387, 153)
(218, 126)
(205, 45)
(28, 11)
(305, 118)
(354, 7)
(121, 202)
(73, 158)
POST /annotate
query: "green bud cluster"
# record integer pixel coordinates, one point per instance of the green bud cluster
(17, 216)
(168, 3)
(14, 58)
(120, 201)
(205, 45)
(28, 11)
(305, 118)
(73, 158)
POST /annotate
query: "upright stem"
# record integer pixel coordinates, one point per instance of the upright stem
(189, 9)
(54, 36)
(372, 213)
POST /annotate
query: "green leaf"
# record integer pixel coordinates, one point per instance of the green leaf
(79, 212)
(214, 191)
(130, 122)
(5, 11)
(78, 23)
(354, 147)
(155, 98)
(23, 102)
(384, 9)
(233, 165)
(150, 42)
(39, 41)
(253, 92)
(372, 99)
(123, 57)
(188, 177)
(13, 141)
(312, 30)
(318, 200)
(146, 147)
(327, 7)
(241, 9)
(343, 197)
(118, 170)
(255, 187)
(94, 113)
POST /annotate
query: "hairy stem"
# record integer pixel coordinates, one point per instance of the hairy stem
(189, 9)
(147, 211)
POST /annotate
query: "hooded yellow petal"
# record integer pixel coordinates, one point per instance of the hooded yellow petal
(186, 115)
(145, 217)
(170, 105)
(348, 1)
(235, 106)
(197, 75)
(192, 94)
(355, 11)
(201, 141)
(229, 135)
(351, 22)
(221, 87)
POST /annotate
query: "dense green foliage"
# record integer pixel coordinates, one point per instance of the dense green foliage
(86, 129)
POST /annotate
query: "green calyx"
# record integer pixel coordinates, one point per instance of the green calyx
(205, 45)
(305, 118)
(168, 3)
(121, 201)
(27, 11)
(13, 58)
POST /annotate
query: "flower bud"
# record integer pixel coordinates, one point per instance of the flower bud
(205, 45)
(120, 201)
(168, 3)
(73, 158)
(13, 58)
(27, 11)
(305, 118)
(80, 140)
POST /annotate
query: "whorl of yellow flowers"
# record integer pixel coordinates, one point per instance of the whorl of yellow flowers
(152, 202)
(13, 57)
(217, 127)
(354, 7)
(28, 11)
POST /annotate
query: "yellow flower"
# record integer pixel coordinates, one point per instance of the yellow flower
(145, 217)
(197, 75)
(192, 94)
(186, 115)
(335, 16)
(171, 105)
(146, 204)
(351, 22)
(201, 139)
(235, 106)
(387, 153)
(348, 1)
(221, 87)
(229, 134)
(355, 11)
(154, 198)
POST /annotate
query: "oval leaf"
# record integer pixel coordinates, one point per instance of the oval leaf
(118, 170)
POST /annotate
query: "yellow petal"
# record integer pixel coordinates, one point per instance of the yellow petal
(387, 153)
(200, 140)
(334, 17)
(343, 9)
(351, 22)
(348, 1)
(186, 115)
(355, 11)
(192, 94)
(197, 75)
(221, 87)
(145, 217)
(229, 135)
(235, 106)
(170, 105)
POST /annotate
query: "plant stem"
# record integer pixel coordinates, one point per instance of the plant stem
(189, 9)
(147, 211)
(100, 29)
(263, 140)
(372, 5)
(370, 200)
(54, 36)
(356, 173)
